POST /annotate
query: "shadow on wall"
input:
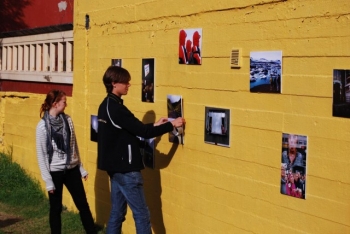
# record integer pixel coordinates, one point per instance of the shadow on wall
(152, 187)
(12, 16)
(102, 197)
(152, 181)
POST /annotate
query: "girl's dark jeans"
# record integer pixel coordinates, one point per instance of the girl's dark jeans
(71, 178)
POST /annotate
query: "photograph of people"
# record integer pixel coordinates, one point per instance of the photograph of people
(190, 44)
(174, 108)
(216, 129)
(293, 165)
(266, 71)
(117, 62)
(147, 92)
(341, 93)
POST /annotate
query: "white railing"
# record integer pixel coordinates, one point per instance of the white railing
(38, 58)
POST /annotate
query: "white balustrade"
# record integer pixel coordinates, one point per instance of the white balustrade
(38, 58)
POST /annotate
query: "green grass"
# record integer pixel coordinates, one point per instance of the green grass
(25, 204)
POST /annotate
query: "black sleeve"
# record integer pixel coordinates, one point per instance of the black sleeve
(127, 121)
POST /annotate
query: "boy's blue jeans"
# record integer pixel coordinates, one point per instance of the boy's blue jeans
(127, 188)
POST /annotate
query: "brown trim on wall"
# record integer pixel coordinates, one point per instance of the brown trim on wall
(33, 87)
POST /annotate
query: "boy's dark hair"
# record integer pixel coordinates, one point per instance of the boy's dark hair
(115, 74)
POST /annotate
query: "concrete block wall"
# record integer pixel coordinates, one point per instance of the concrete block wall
(198, 187)
(202, 188)
(19, 116)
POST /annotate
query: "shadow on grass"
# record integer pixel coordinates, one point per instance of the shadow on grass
(27, 205)
(8, 221)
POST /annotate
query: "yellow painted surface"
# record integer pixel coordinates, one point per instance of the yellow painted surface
(198, 187)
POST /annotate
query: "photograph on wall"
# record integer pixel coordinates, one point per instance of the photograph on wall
(190, 46)
(117, 62)
(217, 126)
(293, 165)
(175, 110)
(341, 93)
(147, 152)
(265, 71)
(93, 128)
(147, 92)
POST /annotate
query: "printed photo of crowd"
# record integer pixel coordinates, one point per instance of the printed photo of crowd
(293, 165)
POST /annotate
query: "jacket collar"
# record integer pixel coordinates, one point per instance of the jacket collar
(115, 98)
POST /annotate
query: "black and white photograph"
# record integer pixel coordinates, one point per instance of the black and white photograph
(147, 92)
(175, 110)
(341, 93)
(117, 62)
(148, 152)
(93, 128)
(293, 165)
(217, 126)
(266, 71)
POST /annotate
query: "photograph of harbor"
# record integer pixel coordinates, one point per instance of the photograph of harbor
(266, 71)
(216, 129)
(341, 93)
(293, 165)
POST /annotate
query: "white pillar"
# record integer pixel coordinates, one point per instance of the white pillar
(60, 57)
(69, 56)
(52, 56)
(20, 58)
(38, 57)
(9, 58)
(4, 58)
(46, 57)
(26, 58)
(32, 57)
(14, 58)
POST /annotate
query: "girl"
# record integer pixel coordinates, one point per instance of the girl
(59, 160)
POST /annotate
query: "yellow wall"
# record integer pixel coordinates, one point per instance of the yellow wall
(198, 187)
(19, 115)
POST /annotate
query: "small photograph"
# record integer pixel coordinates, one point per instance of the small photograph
(293, 165)
(147, 151)
(266, 71)
(217, 126)
(147, 92)
(190, 45)
(175, 110)
(117, 62)
(93, 128)
(341, 93)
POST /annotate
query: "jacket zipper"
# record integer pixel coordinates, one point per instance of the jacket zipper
(130, 155)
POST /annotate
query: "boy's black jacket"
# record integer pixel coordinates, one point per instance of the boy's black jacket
(118, 148)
